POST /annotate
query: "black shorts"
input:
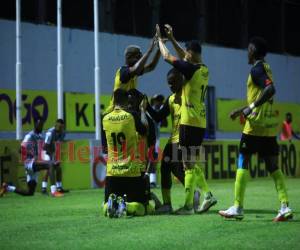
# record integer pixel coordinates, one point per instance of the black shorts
(135, 188)
(263, 145)
(190, 136)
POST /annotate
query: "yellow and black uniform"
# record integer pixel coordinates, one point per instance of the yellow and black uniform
(261, 128)
(172, 156)
(123, 164)
(123, 80)
(193, 112)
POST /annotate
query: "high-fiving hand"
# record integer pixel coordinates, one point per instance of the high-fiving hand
(169, 31)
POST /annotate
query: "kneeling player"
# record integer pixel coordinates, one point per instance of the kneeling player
(33, 165)
(125, 191)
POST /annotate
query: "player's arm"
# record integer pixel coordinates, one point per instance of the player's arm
(47, 144)
(138, 68)
(103, 137)
(27, 147)
(263, 81)
(163, 49)
(181, 52)
(161, 114)
(139, 126)
(152, 65)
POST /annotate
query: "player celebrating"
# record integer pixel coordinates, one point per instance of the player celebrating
(53, 136)
(123, 166)
(193, 113)
(135, 65)
(259, 134)
(172, 159)
(30, 147)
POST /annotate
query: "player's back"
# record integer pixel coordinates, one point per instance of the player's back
(193, 99)
(121, 137)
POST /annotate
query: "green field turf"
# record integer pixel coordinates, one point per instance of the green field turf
(75, 222)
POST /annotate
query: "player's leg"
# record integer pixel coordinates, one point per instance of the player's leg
(58, 171)
(271, 160)
(122, 196)
(50, 166)
(165, 171)
(31, 186)
(45, 182)
(190, 148)
(248, 146)
(209, 199)
(30, 191)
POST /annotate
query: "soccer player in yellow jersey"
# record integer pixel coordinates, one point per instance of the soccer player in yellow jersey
(259, 134)
(123, 165)
(193, 114)
(172, 156)
(135, 65)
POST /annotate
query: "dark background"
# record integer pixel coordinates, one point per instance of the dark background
(228, 23)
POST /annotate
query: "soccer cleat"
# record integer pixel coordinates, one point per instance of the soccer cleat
(3, 189)
(164, 209)
(284, 214)
(121, 209)
(112, 206)
(207, 203)
(153, 185)
(184, 211)
(57, 194)
(196, 202)
(61, 190)
(44, 191)
(233, 212)
(157, 202)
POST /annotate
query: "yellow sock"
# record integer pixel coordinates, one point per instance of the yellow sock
(104, 209)
(135, 208)
(189, 184)
(280, 186)
(150, 209)
(241, 179)
(166, 195)
(201, 180)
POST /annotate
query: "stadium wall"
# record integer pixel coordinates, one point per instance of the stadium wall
(83, 168)
(228, 67)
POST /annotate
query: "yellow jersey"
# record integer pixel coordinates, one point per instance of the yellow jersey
(122, 140)
(193, 112)
(175, 112)
(123, 80)
(263, 121)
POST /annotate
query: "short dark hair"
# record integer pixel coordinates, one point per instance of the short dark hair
(260, 45)
(173, 71)
(120, 97)
(61, 121)
(288, 114)
(136, 95)
(37, 121)
(194, 45)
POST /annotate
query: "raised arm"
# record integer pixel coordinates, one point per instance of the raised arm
(163, 49)
(181, 52)
(138, 68)
(152, 65)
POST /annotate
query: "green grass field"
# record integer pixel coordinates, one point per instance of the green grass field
(75, 222)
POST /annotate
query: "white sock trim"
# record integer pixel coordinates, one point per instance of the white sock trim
(53, 189)
(44, 184)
